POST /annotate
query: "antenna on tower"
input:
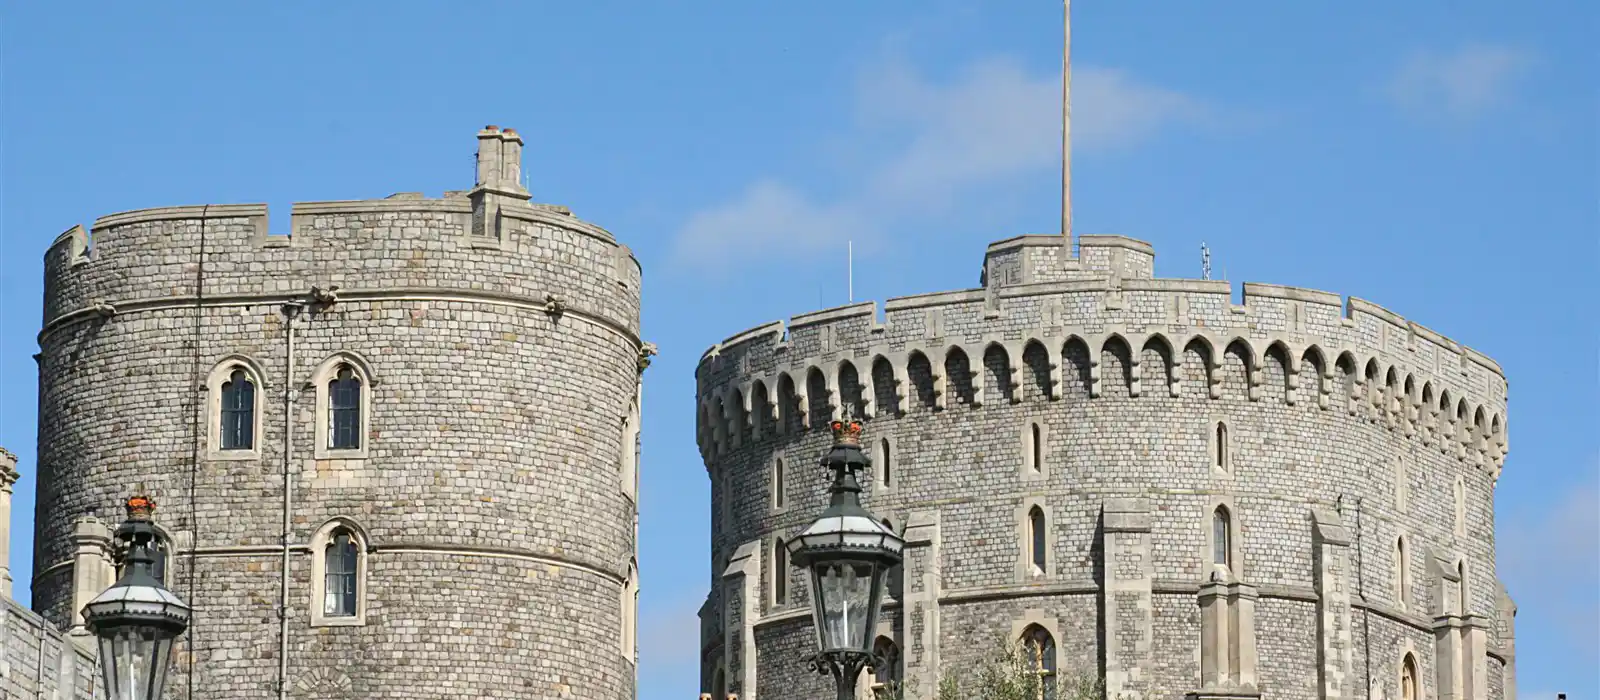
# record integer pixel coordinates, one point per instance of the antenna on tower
(1205, 261)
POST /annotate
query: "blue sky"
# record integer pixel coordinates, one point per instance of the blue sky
(1436, 157)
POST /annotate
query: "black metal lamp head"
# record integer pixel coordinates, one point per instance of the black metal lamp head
(848, 552)
(137, 619)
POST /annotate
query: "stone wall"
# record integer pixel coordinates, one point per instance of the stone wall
(1331, 406)
(494, 487)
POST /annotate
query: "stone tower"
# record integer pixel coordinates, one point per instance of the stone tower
(411, 426)
(1289, 497)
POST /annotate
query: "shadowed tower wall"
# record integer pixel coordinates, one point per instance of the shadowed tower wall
(1059, 446)
(490, 493)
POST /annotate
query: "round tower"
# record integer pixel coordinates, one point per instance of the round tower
(410, 425)
(1140, 481)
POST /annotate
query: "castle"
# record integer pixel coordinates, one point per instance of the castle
(1134, 478)
(395, 452)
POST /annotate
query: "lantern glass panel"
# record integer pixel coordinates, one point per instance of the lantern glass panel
(135, 661)
(847, 600)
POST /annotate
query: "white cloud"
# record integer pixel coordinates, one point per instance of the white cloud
(991, 123)
(1459, 84)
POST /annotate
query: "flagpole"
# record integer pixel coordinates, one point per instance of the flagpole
(850, 269)
(1066, 120)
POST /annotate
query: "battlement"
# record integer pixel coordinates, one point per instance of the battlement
(491, 237)
(1103, 300)
(477, 215)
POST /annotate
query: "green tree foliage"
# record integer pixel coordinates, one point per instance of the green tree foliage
(1005, 672)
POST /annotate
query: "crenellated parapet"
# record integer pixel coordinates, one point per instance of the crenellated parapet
(1098, 321)
(490, 239)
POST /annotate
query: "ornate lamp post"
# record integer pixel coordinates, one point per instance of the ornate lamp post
(137, 618)
(849, 553)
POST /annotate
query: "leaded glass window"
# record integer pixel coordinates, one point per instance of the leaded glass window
(339, 586)
(1221, 553)
(344, 410)
(238, 412)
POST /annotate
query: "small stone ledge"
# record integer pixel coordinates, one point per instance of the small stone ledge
(1357, 304)
(1027, 240)
(964, 296)
(1101, 240)
(866, 308)
(1275, 291)
(380, 206)
(188, 212)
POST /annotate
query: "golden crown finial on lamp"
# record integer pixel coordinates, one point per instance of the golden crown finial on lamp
(847, 432)
(141, 507)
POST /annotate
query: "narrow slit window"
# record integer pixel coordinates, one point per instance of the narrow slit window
(339, 586)
(1035, 448)
(1036, 538)
(1221, 457)
(238, 412)
(778, 499)
(344, 410)
(1221, 554)
(885, 465)
(780, 573)
(1402, 573)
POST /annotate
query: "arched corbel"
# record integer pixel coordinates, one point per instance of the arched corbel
(1097, 346)
(1325, 385)
(1052, 351)
(1135, 359)
(902, 381)
(802, 397)
(1014, 364)
(975, 375)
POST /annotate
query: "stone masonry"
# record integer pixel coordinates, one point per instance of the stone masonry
(493, 493)
(1349, 455)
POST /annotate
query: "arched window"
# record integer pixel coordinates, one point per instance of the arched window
(1461, 506)
(233, 409)
(887, 674)
(338, 575)
(1036, 540)
(1221, 538)
(885, 464)
(238, 411)
(1461, 588)
(339, 570)
(1035, 448)
(344, 410)
(779, 492)
(630, 614)
(719, 685)
(1220, 448)
(1409, 690)
(780, 573)
(1040, 649)
(1402, 571)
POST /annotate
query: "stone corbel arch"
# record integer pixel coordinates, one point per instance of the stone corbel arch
(1052, 353)
(975, 373)
(1097, 346)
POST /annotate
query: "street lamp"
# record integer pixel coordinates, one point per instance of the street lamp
(849, 553)
(137, 619)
